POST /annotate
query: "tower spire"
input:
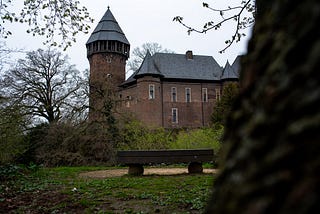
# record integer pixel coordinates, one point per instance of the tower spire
(107, 52)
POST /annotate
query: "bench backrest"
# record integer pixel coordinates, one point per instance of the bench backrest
(165, 156)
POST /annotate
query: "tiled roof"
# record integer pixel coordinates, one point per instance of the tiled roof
(231, 71)
(108, 29)
(236, 65)
(148, 67)
(177, 66)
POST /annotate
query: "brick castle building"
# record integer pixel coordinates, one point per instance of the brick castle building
(168, 90)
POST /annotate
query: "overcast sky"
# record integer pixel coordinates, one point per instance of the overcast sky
(151, 21)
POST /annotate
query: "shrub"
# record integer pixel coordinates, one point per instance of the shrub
(199, 138)
(136, 136)
(223, 106)
(12, 142)
(64, 144)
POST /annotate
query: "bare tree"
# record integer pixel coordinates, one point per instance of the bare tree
(139, 53)
(6, 56)
(65, 18)
(243, 16)
(45, 85)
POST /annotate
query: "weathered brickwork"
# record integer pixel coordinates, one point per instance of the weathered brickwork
(107, 71)
(158, 111)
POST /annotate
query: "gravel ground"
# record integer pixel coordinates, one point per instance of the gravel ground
(147, 171)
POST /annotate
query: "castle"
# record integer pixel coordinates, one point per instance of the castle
(168, 90)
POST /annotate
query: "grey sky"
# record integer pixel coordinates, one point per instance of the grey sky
(150, 21)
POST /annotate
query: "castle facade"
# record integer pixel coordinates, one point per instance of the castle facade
(168, 90)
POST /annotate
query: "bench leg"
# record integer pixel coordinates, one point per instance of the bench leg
(135, 169)
(195, 167)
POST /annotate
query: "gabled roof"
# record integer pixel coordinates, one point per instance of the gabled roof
(108, 29)
(148, 67)
(230, 72)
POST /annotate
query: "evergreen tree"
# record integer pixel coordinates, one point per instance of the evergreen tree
(223, 106)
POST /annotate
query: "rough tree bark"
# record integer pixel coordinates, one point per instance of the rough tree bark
(271, 161)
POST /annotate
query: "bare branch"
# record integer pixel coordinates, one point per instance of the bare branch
(241, 22)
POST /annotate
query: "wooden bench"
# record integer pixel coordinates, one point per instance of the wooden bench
(135, 159)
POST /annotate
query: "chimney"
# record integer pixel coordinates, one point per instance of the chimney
(189, 55)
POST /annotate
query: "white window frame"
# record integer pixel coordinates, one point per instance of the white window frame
(173, 94)
(204, 95)
(152, 92)
(174, 115)
(188, 100)
(218, 94)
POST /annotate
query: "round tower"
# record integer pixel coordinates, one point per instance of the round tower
(107, 52)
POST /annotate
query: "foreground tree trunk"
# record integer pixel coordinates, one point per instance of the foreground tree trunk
(271, 161)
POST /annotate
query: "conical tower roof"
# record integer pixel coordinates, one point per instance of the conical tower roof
(148, 67)
(228, 72)
(108, 29)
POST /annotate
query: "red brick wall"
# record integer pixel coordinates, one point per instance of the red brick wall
(107, 71)
(158, 111)
(194, 114)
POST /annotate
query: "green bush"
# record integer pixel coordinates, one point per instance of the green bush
(136, 136)
(64, 144)
(223, 106)
(12, 141)
(198, 138)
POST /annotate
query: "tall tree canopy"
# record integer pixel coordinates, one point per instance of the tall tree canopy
(45, 85)
(62, 18)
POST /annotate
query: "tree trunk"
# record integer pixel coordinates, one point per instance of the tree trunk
(271, 161)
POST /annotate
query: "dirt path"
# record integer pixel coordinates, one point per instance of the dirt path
(147, 171)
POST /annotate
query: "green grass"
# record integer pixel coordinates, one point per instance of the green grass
(61, 190)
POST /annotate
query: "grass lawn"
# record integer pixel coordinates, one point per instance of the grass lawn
(62, 190)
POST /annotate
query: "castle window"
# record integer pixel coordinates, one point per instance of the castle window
(126, 50)
(173, 94)
(151, 92)
(104, 45)
(127, 103)
(218, 96)
(188, 95)
(204, 95)
(119, 47)
(174, 115)
(113, 45)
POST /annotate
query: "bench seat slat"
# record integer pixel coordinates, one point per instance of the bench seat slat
(139, 153)
(165, 156)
